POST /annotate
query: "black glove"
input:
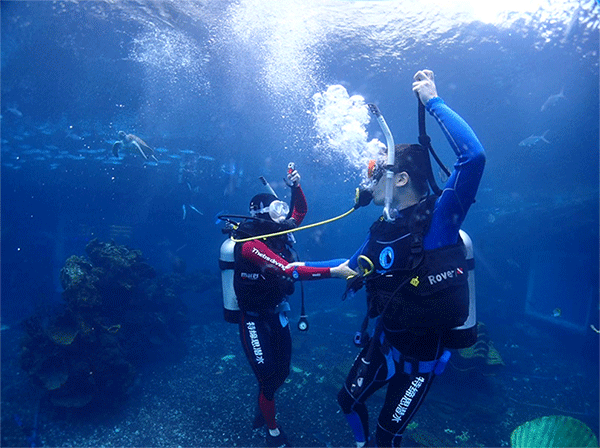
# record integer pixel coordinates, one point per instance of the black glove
(353, 284)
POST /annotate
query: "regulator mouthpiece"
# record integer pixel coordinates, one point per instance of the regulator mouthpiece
(363, 197)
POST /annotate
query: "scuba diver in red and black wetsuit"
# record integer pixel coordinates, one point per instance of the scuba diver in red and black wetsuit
(262, 280)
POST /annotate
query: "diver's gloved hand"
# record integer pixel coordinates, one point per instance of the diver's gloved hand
(424, 86)
(294, 178)
(363, 197)
(288, 224)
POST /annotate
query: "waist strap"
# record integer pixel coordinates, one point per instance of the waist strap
(436, 366)
(412, 366)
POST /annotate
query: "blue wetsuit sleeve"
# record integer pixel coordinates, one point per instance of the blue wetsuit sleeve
(353, 261)
(325, 264)
(460, 189)
(353, 264)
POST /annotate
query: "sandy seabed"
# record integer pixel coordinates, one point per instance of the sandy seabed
(207, 398)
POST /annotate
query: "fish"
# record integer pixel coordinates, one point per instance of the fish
(553, 100)
(91, 151)
(73, 136)
(195, 209)
(184, 212)
(557, 312)
(533, 140)
(15, 111)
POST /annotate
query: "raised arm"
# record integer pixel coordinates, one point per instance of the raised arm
(460, 189)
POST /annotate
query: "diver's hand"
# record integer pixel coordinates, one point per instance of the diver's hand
(294, 178)
(424, 86)
(343, 271)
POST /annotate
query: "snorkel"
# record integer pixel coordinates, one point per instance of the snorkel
(268, 186)
(391, 152)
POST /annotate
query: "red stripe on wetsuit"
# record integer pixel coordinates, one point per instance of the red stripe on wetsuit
(259, 254)
(300, 205)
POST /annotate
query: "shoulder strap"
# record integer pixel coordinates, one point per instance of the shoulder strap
(418, 226)
(425, 142)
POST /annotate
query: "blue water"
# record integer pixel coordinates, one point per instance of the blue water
(225, 92)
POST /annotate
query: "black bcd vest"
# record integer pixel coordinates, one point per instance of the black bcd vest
(258, 288)
(413, 288)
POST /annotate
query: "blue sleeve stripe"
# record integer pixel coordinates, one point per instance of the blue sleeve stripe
(325, 264)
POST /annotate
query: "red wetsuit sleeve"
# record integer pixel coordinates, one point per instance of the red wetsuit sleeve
(258, 253)
(300, 205)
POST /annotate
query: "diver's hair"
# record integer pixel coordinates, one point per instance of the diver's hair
(413, 159)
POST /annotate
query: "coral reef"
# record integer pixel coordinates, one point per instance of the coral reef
(117, 313)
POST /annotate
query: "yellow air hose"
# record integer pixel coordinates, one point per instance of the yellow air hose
(283, 232)
(357, 204)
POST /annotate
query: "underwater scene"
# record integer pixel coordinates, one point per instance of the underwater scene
(134, 135)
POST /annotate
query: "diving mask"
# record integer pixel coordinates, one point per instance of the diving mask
(375, 170)
(277, 210)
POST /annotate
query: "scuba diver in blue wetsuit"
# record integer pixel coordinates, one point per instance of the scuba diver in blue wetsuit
(415, 268)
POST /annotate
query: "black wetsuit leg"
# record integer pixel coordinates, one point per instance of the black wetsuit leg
(404, 396)
(406, 392)
(268, 347)
(352, 397)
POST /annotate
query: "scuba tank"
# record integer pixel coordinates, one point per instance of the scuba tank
(466, 335)
(231, 309)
